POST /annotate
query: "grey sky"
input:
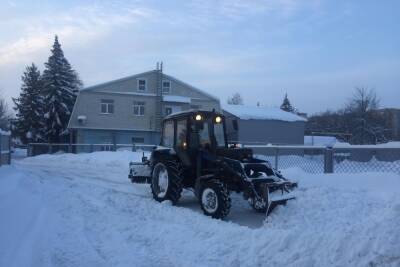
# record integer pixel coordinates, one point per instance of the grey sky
(315, 50)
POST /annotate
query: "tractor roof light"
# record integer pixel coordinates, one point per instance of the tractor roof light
(198, 117)
(218, 119)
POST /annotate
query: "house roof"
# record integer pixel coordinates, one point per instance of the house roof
(147, 72)
(261, 113)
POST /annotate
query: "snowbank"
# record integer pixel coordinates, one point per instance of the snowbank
(81, 210)
(261, 113)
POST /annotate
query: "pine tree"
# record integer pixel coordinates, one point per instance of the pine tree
(29, 120)
(61, 84)
(286, 105)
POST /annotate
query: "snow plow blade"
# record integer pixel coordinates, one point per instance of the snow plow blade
(139, 172)
(279, 195)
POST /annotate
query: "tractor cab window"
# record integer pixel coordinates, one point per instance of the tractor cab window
(219, 134)
(181, 134)
(200, 136)
(204, 135)
(168, 134)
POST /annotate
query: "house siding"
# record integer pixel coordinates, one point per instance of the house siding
(122, 124)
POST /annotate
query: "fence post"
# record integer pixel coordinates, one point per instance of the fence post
(133, 147)
(9, 149)
(29, 152)
(328, 160)
(1, 150)
(50, 148)
(91, 148)
(276, 158)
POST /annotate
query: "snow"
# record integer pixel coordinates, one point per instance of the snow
(320, 140)
(176, 98)
(81, 210)
(261, 113)
(2, 132)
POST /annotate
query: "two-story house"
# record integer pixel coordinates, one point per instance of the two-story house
(130, 110)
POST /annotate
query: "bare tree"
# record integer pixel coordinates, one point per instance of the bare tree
(364, 99)
(4, 114)
(236, 99)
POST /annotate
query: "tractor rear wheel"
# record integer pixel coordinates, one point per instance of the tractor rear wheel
(214, 199)
(166, 183)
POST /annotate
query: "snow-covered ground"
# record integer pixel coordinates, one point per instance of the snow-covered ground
(81, 210)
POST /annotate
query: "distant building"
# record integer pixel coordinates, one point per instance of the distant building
(130, 110)
(252, 125)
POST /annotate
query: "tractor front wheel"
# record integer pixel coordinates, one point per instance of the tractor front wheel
(166, 183)
(215, 200)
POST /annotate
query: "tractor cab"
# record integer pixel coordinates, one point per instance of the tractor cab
(192, 132)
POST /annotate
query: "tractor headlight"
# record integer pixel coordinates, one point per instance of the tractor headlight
(218, 119)
(198, 117)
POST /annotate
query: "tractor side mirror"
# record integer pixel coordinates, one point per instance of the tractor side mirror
(235, 125)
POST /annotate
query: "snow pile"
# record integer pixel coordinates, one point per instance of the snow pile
(261, 113)
(81, 210)
(328, 141)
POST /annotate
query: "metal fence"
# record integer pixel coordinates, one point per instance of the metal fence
(312, 159)
(5, 148)
(35, 149)
(319, 159)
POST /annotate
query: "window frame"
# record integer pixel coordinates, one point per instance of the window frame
(138, 84)
(169, 88)
(107, 103)
(139, 105)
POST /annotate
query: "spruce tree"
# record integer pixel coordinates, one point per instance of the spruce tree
(29, 120)
(61, 84)
(286, 105)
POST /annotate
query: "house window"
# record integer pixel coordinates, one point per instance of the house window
(166, 86)
(142, 84)
(138, 140)
(168, 110)
(168, 134)
(107, 106)
(138, 108)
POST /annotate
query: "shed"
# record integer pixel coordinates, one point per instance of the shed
(252, 125)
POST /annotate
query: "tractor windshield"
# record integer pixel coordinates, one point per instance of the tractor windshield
(219, 134)
(207, 131)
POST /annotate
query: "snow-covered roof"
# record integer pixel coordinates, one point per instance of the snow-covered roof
(176, 98)
(2, 132)
(261, 113)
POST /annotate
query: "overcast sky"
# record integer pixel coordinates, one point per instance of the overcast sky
(315, 50)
